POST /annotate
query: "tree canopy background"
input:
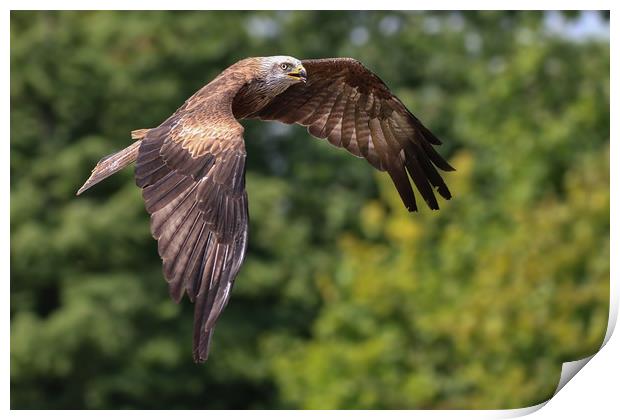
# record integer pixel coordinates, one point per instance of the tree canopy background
(345, 299)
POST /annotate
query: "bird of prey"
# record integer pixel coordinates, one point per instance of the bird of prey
(191, 167)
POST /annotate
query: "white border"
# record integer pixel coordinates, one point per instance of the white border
(592, 394)
(312, 5)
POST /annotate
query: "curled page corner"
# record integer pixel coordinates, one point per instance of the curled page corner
(570, 369)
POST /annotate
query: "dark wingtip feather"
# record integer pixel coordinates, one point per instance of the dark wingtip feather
(444, 192)
(436, 158)
(429, 136)
(403, 186)
(176, 291)
(422, 183)
(200, 352)
(415, 153)
(448, 168)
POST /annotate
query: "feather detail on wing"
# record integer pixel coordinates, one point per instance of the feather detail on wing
(352, 108)
(192, 172)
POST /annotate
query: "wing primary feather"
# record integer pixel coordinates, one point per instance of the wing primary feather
(215, 277)
(421, 182)
(202, 337)
(403, 186)
(435, 157)
(379, 141)
(203, 346)
(180, 241)
(171, 264)
(215, 304)
(194, 280)
(428, 135)
(430, 171)
(421, 170)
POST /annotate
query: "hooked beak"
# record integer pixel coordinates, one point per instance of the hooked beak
(299, 73)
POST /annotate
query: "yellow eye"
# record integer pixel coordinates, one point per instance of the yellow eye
(284, 66)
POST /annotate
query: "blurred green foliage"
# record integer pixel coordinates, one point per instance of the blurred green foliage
(345, 299)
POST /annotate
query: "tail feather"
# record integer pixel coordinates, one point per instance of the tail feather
(139, 134)
(111, 164)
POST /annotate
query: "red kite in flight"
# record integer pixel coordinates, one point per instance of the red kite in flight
(191, 168)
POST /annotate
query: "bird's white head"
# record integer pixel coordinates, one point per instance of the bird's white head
(281, 71)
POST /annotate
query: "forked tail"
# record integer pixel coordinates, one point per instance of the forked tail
(113, 163)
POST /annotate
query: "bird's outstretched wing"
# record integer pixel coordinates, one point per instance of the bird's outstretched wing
(192, 172)
(352, 108)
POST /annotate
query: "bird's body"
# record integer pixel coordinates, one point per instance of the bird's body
(192, 166)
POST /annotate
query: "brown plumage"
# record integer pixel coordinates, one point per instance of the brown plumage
(191, 168)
